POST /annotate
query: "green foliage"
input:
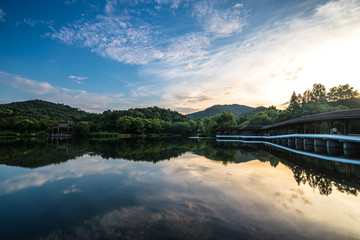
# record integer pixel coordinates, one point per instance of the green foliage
(262, 118)
(36, 115)
(295, 102)
(224, 119)
(311, 102)
(81, 129)
(342, 92)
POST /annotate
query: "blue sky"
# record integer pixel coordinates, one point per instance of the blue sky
(179, 54)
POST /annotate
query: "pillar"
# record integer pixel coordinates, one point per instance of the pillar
(291, 142)
(299, 143)
(334, 147)
(308, 144)
(346, 127)
(320, 146)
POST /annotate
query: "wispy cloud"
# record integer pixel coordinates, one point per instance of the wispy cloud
(93, 102)
(70, 2)
(213, 61)
(34, 23)
(114, 38)
(265, 67)
(2, 15)
(77, 79)
(27, 85)
(219, 21)
(130, 38)
(238, 5)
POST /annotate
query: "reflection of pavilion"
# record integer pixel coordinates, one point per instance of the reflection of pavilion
(61, 129)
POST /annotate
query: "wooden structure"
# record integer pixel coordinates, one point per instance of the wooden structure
(302, 134)
(61, 129)
(310, 124)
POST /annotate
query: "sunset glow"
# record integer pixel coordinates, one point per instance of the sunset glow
(178, 54)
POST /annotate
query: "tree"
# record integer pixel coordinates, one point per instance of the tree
(81, 129)
(319, 93)
(208, 126)
(307, 97)
(225, 119)
(260, 118)
(294, 102)
(342, 92)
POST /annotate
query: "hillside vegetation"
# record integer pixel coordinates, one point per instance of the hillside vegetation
(38, 115)
(236, 109)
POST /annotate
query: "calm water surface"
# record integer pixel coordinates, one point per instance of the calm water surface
(172, 189)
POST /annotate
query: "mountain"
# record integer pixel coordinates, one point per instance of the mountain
(236, 109)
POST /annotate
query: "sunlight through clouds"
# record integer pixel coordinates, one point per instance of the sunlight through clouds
(189, 55)
(268, 65)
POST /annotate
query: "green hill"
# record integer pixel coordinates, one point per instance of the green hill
(236, 109)
(38, 115)
(38, 109)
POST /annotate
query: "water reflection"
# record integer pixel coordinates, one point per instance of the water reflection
(113, 190)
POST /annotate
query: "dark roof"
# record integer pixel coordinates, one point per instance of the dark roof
(337, 115)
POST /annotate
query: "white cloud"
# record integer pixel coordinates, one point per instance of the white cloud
(77, 79)
(130, 39)
(265, 67)
(219, 21)
(187, 47)
(238, 5)
(114, 38)
(172, 3)
(93, 102)
(29, 22)
(2, 15)
(27, 85)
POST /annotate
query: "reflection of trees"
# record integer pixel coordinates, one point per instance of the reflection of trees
(33, 154)
(323, 184)
(143, 149)
(319, 174)
(346, 189)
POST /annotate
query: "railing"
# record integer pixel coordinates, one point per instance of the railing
(313, 145)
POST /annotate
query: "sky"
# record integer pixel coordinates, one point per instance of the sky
(185, 55)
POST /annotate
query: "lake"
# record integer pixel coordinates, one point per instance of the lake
(175, 188)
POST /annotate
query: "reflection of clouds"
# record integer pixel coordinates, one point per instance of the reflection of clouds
(191, 197)
(78, 168)
(138, 223)
(72, 189)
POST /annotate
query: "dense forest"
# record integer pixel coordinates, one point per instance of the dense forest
(36, 117)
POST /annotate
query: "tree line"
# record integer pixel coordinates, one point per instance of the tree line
(37, 116)
(314, 101)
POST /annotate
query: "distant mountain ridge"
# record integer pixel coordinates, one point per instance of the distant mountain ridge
(236, 109)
